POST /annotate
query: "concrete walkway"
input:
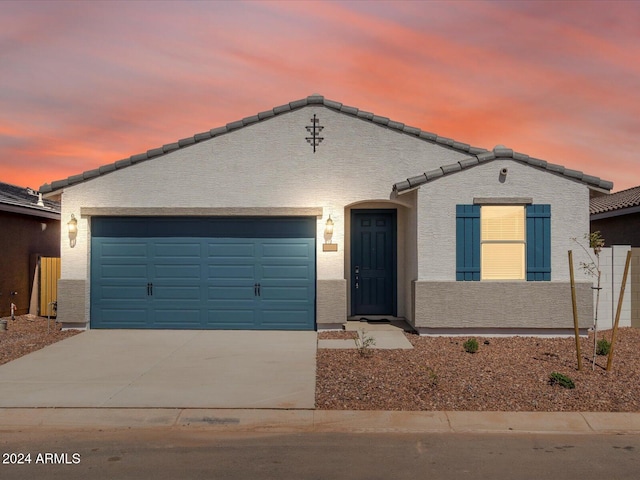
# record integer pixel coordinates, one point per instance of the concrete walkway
(166, 369)
(287, 421)
(387, 336)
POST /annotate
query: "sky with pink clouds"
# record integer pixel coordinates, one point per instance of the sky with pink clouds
(83, 84)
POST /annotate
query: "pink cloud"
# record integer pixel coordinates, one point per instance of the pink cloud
(104, 82)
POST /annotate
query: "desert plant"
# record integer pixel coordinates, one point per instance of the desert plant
(471, 345)
(433, 377)
(603, 347)
(364, 344)
(556, 378)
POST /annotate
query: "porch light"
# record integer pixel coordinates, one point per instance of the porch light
(328, 229)
(328, 246)
(72, 225)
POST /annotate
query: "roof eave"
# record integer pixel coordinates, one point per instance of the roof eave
(615, 213)
(500, 152)
(32, 212)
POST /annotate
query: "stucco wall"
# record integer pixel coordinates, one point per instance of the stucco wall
(569, 202)
(266, 165)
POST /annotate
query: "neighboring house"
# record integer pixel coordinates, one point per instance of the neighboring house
(314, 212)
(617, 218)
(29, 227)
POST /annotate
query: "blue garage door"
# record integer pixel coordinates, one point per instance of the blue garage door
(204, 273)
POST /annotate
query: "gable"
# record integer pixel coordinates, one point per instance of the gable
(468, 155)
(270, 164)
(500, 152)
(351, 113)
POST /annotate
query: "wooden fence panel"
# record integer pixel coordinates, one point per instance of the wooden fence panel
(49, 276)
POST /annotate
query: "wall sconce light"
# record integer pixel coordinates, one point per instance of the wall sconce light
(328, 229)
(72, 225)
(328, 236)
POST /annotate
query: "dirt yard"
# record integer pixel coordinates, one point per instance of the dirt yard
(28, 333)
(505, 374)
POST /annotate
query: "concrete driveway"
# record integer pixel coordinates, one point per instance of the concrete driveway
(166, 369)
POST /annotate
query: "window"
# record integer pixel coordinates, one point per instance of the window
(502, 253)
(503, 242)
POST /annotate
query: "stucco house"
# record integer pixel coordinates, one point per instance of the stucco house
(311, 213)
(29, 228)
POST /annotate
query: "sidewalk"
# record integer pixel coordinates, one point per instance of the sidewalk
(291, 421)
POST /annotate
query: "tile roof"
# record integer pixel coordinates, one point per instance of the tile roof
(476, 155)
(607, 203)
(500, 152)
(25, 200)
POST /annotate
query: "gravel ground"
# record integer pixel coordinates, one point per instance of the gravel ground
(28, 333)
(506, 374)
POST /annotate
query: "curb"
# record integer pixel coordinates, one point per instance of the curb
(294, 421)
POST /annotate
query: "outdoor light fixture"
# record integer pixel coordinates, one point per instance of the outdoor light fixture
(73, 230)
(328, 229)
(328, 235)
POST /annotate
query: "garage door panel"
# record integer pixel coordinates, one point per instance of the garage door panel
(176, 292)
(285, 272)
(285, 293)
(178, 250)
(230, 292)
(231, 249)
(117, 250)
(178, 271)
(285, 319)
(125, 272)
(285, 250)
(122, 292)
(232, 271)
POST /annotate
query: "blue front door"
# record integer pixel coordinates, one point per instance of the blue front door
(203, 274)
(373, 262)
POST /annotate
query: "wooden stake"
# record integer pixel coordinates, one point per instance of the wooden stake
(620, 298)
(575, 310)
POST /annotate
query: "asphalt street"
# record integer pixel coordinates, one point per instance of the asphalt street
(170, 453)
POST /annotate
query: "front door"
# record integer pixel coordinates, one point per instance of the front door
(373, 262)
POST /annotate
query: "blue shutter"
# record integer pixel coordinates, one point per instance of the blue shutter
(538, 242)
(467, 242)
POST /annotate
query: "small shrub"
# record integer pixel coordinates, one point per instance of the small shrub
(603, 347)
(559, 379)
(471, 345)
(433, 377)
(365, 344)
